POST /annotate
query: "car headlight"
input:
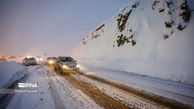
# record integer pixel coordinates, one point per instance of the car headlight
(65, 67)
(50, 62)
(28, 56)
(40, 59)
(78, 66)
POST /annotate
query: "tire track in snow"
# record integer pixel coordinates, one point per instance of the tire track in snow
(99, 97)
(67, 95)
(54, 92)
(124, 97)
(152, 97)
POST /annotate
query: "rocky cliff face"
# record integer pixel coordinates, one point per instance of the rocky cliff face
(176, 16)
(149, 37)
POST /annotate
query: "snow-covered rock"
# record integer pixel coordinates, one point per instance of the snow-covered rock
(148, 37)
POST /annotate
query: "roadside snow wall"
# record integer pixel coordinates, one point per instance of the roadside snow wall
(147, 37)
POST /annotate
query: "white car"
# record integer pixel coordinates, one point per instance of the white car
(66, 65)
(39, 58)
(29, 61)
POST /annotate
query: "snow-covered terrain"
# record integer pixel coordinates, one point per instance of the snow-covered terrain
(177, 91)
(54, 92)
(10, 72)
(146, 37)
(120, 95)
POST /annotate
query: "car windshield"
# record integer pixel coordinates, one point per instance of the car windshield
(67, 59)
(51, 58)
(29, 59)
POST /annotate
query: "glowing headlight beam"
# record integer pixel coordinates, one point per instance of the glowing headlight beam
(78, 65)
(28, 56)
(50, 62)
(64, 66)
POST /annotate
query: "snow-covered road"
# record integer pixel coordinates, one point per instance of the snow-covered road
(54, 92)
(169, 89)
(121, 95)
(80, 91)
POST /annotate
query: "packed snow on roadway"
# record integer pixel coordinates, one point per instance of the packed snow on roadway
(177, 91)
(54, 92)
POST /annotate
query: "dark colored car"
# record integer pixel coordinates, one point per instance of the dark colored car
(3, 60)
(51, 60)
(66, 65)
(29, 61)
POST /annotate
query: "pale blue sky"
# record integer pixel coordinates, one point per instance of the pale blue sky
(52, 26)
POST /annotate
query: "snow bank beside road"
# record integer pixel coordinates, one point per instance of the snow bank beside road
(54, 92)
(9, 71)
(177, 91)
(40, 100)
(147, 37)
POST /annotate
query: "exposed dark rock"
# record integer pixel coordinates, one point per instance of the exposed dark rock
(100, 27)
(180, 27)
(155, 4)
(133, 42)
(184, 6)
(165, 36)
(121, 40)
(168, 3)
(169, 12)
(98, 35)
(161, 10)
(131, 36)
(122, 20)
(135, 5)
(169, 24)
(94, 34)
(172, 32)
(124, 9)
(84, 43)
(186, 16)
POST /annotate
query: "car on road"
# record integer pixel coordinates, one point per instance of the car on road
(39, 59)
(29, 61)
(66, 65)
(51, 60)
(3, 60)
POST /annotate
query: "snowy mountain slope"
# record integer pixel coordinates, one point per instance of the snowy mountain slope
(148, 37)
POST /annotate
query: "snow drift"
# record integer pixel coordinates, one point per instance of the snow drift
(10, 72)
(147, 37)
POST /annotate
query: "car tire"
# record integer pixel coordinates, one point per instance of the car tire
(55, 69)
(60, 71)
